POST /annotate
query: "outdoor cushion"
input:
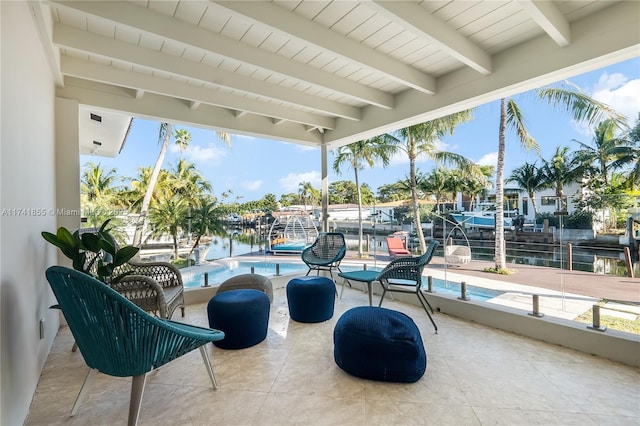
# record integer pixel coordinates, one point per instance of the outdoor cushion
(243, 315)
(311, 299)
(379, 344)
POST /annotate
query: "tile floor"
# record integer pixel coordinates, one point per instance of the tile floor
(475, 375)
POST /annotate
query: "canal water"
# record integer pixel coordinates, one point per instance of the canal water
(589, 259)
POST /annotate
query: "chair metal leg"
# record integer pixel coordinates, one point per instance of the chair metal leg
(207, 364)
(91, 375)
(384, 292)
(426, 310)
(137, 389)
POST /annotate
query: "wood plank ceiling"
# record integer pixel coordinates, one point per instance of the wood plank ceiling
(322, 72)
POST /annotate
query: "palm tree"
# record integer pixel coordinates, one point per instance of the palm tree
(182, 139)
(581, 108)
(168, 215)
(164, 134)
(357, 155)
(435, 183)
(188, 182)
(206, 221)
(307, 193)
(477, 184)
(559, 171)
(96, 183)
(603, 155)
(531, 178)
(422, 139)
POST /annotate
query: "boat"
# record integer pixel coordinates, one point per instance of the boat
(291, 232)
(484, 216)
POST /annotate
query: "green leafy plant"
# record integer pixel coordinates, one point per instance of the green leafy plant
(94, 253)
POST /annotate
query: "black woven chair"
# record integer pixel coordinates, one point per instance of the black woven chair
(401, 275)
(326, 253)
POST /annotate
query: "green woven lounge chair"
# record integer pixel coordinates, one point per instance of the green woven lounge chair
(118, 338)
(401, 275)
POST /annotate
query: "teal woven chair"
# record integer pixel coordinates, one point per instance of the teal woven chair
(401, 275)
(118, 338)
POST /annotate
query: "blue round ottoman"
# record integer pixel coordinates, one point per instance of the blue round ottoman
(243, 315)
(379, 344)
(311, 299)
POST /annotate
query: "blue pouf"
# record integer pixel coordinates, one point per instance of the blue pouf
(379, 344)
(311, 299)
(243, 315)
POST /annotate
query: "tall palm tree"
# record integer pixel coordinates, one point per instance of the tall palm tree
(580, 107)
(182, 139)
(164, 134)
(422, 139)
(531, 178)
(358, 155)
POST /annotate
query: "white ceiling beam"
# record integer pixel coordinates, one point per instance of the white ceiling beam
(93, 44)
(42, 22)
(282, 21)
(162, 108)
(616, 39)
(550, 19)
(168, 28)
(426, 26)
(109, 75)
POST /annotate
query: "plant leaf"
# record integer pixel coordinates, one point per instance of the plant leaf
(91, 242)
(125, 254)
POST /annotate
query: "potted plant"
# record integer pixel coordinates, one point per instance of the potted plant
(94, 253)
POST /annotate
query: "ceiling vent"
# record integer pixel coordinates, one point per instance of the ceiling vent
(96, 117)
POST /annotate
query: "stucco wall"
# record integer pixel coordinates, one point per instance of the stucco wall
(27, 194)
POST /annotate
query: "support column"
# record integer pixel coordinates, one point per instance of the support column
(325, 188)
(67, 166)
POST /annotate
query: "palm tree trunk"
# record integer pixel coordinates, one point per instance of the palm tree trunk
(146, 201)
(360, 254)
(175, 246)
(500, 258)
(414, 198)
(532, 197)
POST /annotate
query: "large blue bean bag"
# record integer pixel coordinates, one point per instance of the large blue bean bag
(311, 299)
(379, 344)
(243, 315)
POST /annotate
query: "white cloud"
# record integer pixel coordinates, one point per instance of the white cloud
(212, 154)
(252, 185)
(490, 159)
(620, 93)
(291, 182)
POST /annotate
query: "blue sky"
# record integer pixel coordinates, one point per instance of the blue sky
(253, 167)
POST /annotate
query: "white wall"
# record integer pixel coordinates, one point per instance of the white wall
(26, 182)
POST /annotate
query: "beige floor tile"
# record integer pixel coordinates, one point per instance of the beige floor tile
(475, 375)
